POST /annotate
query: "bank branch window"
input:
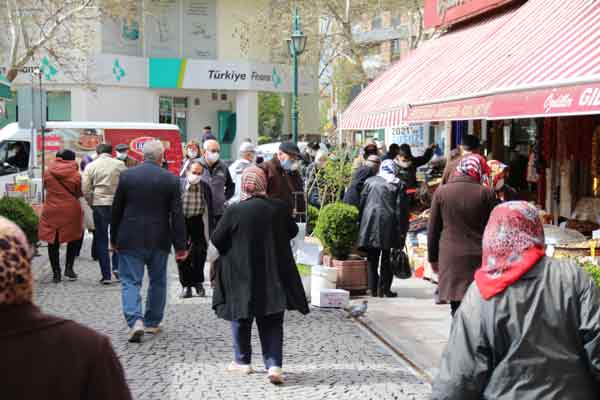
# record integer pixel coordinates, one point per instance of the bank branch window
(174, 110)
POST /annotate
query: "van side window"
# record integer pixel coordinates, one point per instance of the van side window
(14, 156)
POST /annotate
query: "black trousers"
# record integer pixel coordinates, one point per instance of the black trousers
(191, 271)
(385, 280)
(454, 305)
(54, 252)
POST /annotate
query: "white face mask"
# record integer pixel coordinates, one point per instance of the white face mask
(121, 156)
(212, 157)
(192, 153)
(193, 178)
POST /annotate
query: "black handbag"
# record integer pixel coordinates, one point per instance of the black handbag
(400, 264)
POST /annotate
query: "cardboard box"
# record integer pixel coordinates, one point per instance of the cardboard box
(331, 298)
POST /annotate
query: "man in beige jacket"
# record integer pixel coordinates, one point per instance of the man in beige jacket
(100, 180)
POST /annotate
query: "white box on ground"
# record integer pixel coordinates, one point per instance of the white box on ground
(331, 298)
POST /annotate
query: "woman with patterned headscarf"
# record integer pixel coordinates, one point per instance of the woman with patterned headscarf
(459, 212)
(529, 327)
(383, 225)
(257, 277)
(46, 357)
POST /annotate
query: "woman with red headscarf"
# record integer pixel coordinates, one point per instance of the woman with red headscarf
(529, 328)
(459, 212)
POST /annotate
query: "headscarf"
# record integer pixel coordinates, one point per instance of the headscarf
(513, 242)
(16, 279)
(475, 167)
(254, 183)
(388, 170)
(498, 171)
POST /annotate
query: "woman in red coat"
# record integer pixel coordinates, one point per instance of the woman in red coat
(62, 217)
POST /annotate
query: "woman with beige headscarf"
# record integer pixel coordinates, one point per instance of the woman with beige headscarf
(47, 357)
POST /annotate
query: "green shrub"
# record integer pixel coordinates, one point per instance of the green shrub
(263, 139)
(594, 271)
(313, 217)
(21, 213)
(304, 270)
(337, 229)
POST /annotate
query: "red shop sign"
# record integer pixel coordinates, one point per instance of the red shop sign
(447, 12)
(51, 142)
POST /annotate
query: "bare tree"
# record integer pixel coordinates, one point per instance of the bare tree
(60, 29)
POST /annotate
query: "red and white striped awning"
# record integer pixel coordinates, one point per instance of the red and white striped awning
(541, 59)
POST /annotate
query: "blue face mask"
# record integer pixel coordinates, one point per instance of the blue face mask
(287, 164)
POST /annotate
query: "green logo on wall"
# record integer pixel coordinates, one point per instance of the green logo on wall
(277, 81)
(118, 71)
(47, 69)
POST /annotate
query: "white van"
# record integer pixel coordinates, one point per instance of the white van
(21, 154)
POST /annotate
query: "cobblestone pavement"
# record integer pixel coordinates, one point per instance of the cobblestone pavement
(326, 355)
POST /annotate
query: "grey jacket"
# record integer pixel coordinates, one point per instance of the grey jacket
(221, 185)
(383, 214)
(539, 339)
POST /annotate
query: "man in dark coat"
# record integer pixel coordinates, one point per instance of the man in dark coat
(284, 181)
(408, 164)
(147, 218)
(217, 176)
(257, 277)
(383, 225)
(459, 213)
(122, 153)
(352, 195)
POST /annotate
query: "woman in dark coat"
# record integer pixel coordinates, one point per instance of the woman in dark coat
(459, 213)
(529, 328)
(62, 216)
(46, 357)
(257, 278)
(360, 176)
(383, 225)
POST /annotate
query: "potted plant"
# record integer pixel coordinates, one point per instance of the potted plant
(337, 229)
(21, 213)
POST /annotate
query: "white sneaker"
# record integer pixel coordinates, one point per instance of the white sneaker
(275, 375)
(137, 332)
(244, 369)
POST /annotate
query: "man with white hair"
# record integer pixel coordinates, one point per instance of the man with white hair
(217, 175)
(147, 218)
(247, 158)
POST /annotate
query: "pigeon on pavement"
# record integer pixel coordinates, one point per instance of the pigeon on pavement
(357, 310)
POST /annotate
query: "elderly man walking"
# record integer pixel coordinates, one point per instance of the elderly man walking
(216, 174)
(147, 219)
(247, 158)
(100, 179)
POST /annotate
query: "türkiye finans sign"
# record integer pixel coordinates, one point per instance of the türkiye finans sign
(448, 12)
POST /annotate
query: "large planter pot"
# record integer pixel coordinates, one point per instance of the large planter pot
(351, 273)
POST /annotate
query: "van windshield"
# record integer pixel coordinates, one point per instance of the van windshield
(14, 156)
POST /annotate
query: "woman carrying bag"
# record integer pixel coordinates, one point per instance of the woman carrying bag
(62, 217)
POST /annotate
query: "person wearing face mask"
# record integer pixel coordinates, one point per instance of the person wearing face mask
(360, 176)
(408, 164)
(122, 153)
(217, 176)
(247, 158)
(196, 198)
(284, 181)
(499, 173)
(315, 181)
(192, 152)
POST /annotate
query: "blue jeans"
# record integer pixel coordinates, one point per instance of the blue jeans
(270, 330)
(131, 266)
(102, 217)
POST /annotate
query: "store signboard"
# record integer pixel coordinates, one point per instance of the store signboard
(447, 12)
(413, 135)
(119, 70)
(568, 100)
(204, 74)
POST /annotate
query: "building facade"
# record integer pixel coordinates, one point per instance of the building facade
(180, 62)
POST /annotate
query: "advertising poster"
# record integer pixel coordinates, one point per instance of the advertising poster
(122, 35)
(82, 141)
(413, 135)
(162, 28)
(200, 29)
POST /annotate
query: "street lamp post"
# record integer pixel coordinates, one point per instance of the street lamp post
(296, 46)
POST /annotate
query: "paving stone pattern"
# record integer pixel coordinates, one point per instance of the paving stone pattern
(326, 355)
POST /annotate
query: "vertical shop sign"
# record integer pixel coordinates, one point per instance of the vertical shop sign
(162, 28)
(199, 29)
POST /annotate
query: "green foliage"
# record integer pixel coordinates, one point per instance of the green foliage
(313, 217)
(21, 213)
(270, 115)
(337, 229)
(262, 139)
(333, 179)
(304, 270)
(594, 271)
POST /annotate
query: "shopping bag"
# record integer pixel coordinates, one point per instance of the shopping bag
(400, 264)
